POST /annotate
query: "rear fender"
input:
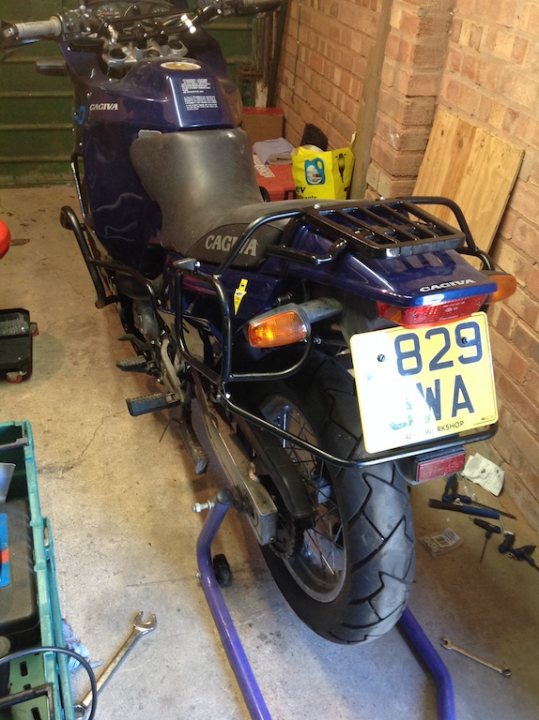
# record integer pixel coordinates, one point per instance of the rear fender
(417, 280)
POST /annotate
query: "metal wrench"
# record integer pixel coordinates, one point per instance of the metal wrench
(140, 628)
(446, 643)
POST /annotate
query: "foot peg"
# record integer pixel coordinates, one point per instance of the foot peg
(151, 403)
(136, 364)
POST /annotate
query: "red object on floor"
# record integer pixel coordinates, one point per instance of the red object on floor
(277, 180)
(5, 237)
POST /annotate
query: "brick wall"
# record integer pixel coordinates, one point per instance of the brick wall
(481, 60)
(415, 54)
(323, 65)
(491, 78)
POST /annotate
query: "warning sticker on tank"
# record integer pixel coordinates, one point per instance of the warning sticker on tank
(198, 94)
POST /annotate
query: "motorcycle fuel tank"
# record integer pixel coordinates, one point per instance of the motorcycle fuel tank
(163, 96)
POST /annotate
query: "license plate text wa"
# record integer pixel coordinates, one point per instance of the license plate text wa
(417, 385)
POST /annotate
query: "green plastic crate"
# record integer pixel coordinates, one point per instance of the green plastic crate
(17, 446)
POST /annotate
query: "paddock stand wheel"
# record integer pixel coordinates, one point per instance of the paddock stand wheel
(221, 568)
(237, 658)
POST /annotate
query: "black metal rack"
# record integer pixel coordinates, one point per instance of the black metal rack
(385, 228)
(370, 229)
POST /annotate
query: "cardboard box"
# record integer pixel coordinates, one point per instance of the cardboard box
(263, 123)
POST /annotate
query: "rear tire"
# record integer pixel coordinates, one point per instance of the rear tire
(347, 573)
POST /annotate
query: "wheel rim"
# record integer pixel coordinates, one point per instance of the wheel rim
(318, 566)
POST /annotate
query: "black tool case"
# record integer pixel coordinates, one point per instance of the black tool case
(16, 333)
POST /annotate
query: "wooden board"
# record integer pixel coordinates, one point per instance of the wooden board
(473, 167)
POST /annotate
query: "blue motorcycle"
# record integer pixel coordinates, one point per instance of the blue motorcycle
(338, 352)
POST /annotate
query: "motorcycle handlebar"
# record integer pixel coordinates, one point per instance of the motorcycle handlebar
(13, 34)
(18, 33)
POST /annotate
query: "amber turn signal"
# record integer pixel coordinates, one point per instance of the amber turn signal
(506, 283)
(278, 329)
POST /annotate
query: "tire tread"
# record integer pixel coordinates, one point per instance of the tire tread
(373, 503)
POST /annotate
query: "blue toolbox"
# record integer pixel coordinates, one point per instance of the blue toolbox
(37, 686)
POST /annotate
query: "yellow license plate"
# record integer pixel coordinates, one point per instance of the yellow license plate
(417, 385)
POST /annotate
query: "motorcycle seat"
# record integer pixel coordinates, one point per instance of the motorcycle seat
(205, 184)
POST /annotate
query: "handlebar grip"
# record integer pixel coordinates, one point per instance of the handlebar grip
(34, 30)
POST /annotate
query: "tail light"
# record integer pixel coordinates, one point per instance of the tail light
(443, 312)
(423, 315)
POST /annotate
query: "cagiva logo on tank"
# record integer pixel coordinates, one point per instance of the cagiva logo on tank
(104, 106)
(224, 243)
(446, 285)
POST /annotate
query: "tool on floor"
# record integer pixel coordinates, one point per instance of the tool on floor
(523, 553)
(448, 645)
(452, 495)
(140, 628)
(412, 630)
(507, 542)
(489, 529)
(466, 509)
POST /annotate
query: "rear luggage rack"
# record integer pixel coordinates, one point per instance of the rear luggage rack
(370, 229)
(385, 228)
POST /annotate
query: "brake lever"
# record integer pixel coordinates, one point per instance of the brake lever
(86, 44)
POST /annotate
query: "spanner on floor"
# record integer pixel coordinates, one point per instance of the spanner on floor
(446, 643)
(140, 628)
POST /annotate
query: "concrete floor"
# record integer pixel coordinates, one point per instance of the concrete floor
(119, 491)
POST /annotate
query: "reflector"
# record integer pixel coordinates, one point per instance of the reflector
(439, 466)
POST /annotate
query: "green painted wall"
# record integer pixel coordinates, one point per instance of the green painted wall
(35, 110)
(237, 38)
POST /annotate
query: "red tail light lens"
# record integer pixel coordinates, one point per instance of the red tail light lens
(428, 315)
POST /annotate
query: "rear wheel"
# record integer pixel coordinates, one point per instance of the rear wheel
(346, 572)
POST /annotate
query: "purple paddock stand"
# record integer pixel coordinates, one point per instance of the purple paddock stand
(237, 658)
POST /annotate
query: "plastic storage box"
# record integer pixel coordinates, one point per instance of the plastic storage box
(29, 605)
